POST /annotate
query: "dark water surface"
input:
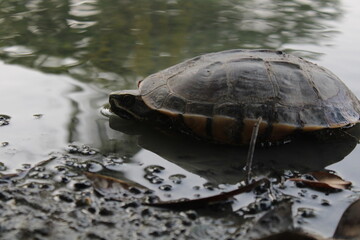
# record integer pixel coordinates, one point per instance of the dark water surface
(59, 60)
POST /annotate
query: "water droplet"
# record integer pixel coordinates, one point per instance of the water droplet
(38, 116)
(154, 179)
(4, 119)
(307, 212)
(4, 144)
(209, 186)
(154, 169)
(325, 202)
(165, 187)
(93, 167)
(2, 167)
(26, 166)
(177, 178)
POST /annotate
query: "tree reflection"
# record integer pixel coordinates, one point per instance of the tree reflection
(98, 41)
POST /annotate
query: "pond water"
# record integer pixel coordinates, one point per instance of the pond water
(59, 60)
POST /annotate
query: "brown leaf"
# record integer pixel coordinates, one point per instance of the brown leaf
(106, 185)
(202, 202)
(323, 181)
(349, 224)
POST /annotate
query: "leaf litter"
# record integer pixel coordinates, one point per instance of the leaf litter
(322, 180)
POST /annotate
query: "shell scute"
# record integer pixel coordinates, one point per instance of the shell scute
(249, 81)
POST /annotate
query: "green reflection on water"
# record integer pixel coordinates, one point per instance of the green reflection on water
(113, 43)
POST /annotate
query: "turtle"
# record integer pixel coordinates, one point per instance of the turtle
(220, 96)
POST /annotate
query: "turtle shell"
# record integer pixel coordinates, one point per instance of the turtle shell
(220, 95)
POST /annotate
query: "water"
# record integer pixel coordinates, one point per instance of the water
(59, 60)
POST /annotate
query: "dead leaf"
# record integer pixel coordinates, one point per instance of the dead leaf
(323, 181)
(202, 202)
(349, 224)
(106, 185)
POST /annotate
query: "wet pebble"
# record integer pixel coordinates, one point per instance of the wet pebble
(261, 189)
(62, 179)
(106, 212)
(134, 190)
(132, 204)
(151, 199)
(5, 196)
(66, 197)
(191, 214)
(82, 185)
(83, 202)
(146, 212)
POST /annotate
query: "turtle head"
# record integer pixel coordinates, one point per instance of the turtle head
(128, 104)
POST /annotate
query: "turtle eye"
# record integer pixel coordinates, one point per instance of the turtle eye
(138, 83)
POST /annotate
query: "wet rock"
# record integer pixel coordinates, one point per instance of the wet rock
(130, 205)
(66, 197)
(106, 212)
(134, 190)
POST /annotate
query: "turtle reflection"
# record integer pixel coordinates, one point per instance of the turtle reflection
(225, 164)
